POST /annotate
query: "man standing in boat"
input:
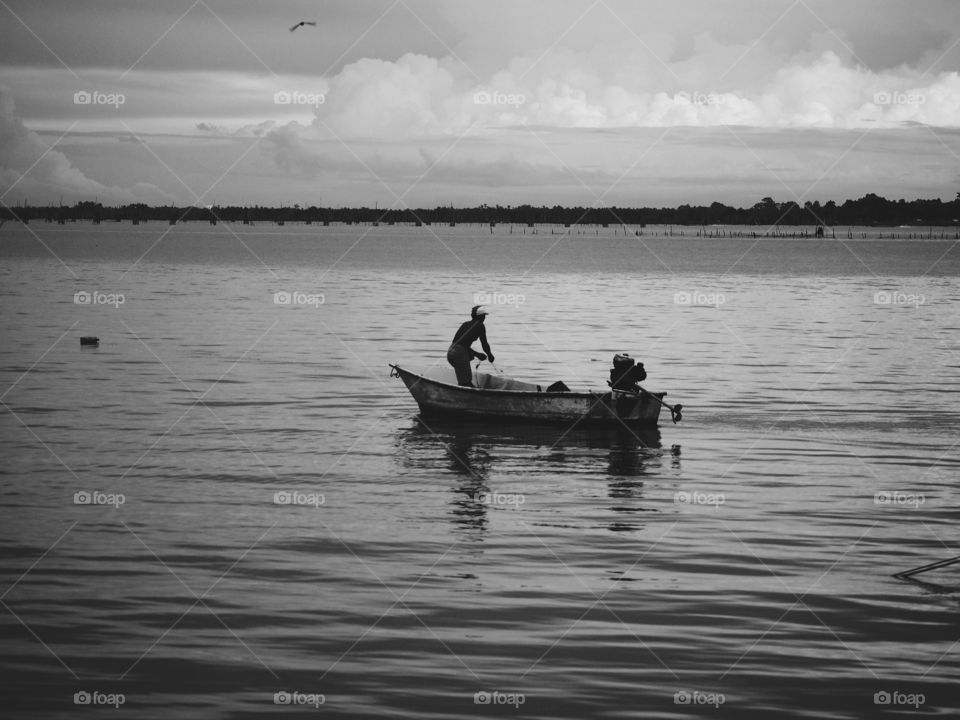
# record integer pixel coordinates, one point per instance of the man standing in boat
(460, 353)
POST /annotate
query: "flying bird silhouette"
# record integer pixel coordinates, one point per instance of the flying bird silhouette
(302, 23)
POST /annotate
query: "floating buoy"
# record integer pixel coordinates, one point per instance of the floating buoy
(89, 340)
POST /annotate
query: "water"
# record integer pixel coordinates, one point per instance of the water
(743, 556)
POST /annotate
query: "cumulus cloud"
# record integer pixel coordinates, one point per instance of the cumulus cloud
(28, 167)
(414, 95)
(287, 148)
(422, 96)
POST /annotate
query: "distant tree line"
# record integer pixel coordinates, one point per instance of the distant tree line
(869, 210)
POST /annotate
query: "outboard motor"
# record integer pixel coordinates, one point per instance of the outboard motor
(626, 373)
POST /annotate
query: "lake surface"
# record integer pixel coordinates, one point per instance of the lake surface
(267, 514)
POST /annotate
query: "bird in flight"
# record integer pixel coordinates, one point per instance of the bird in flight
(302, 23)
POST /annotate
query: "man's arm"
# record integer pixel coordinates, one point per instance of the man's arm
(485, 344)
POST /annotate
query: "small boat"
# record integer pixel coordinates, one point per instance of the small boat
(497, 396)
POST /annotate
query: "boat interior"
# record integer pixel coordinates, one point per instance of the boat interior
(502, 382)
(486, 381)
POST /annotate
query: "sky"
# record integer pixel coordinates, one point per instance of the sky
(420, 103)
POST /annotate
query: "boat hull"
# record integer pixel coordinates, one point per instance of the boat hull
(440, 398)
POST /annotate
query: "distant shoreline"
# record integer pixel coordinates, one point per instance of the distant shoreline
(766, 215)
(375, 230)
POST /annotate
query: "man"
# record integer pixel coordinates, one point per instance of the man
(460, 353)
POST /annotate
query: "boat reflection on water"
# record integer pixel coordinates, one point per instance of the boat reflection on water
(474, 450)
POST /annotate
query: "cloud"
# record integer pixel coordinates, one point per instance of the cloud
(29, 168)
(533, 100)
(289, 153)
(415, 95)
(250, 130)
(420, 96)
(211, 129)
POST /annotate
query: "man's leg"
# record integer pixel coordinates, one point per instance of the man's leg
(460, 359)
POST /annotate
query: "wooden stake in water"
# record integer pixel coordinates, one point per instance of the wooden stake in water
(924, 568)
